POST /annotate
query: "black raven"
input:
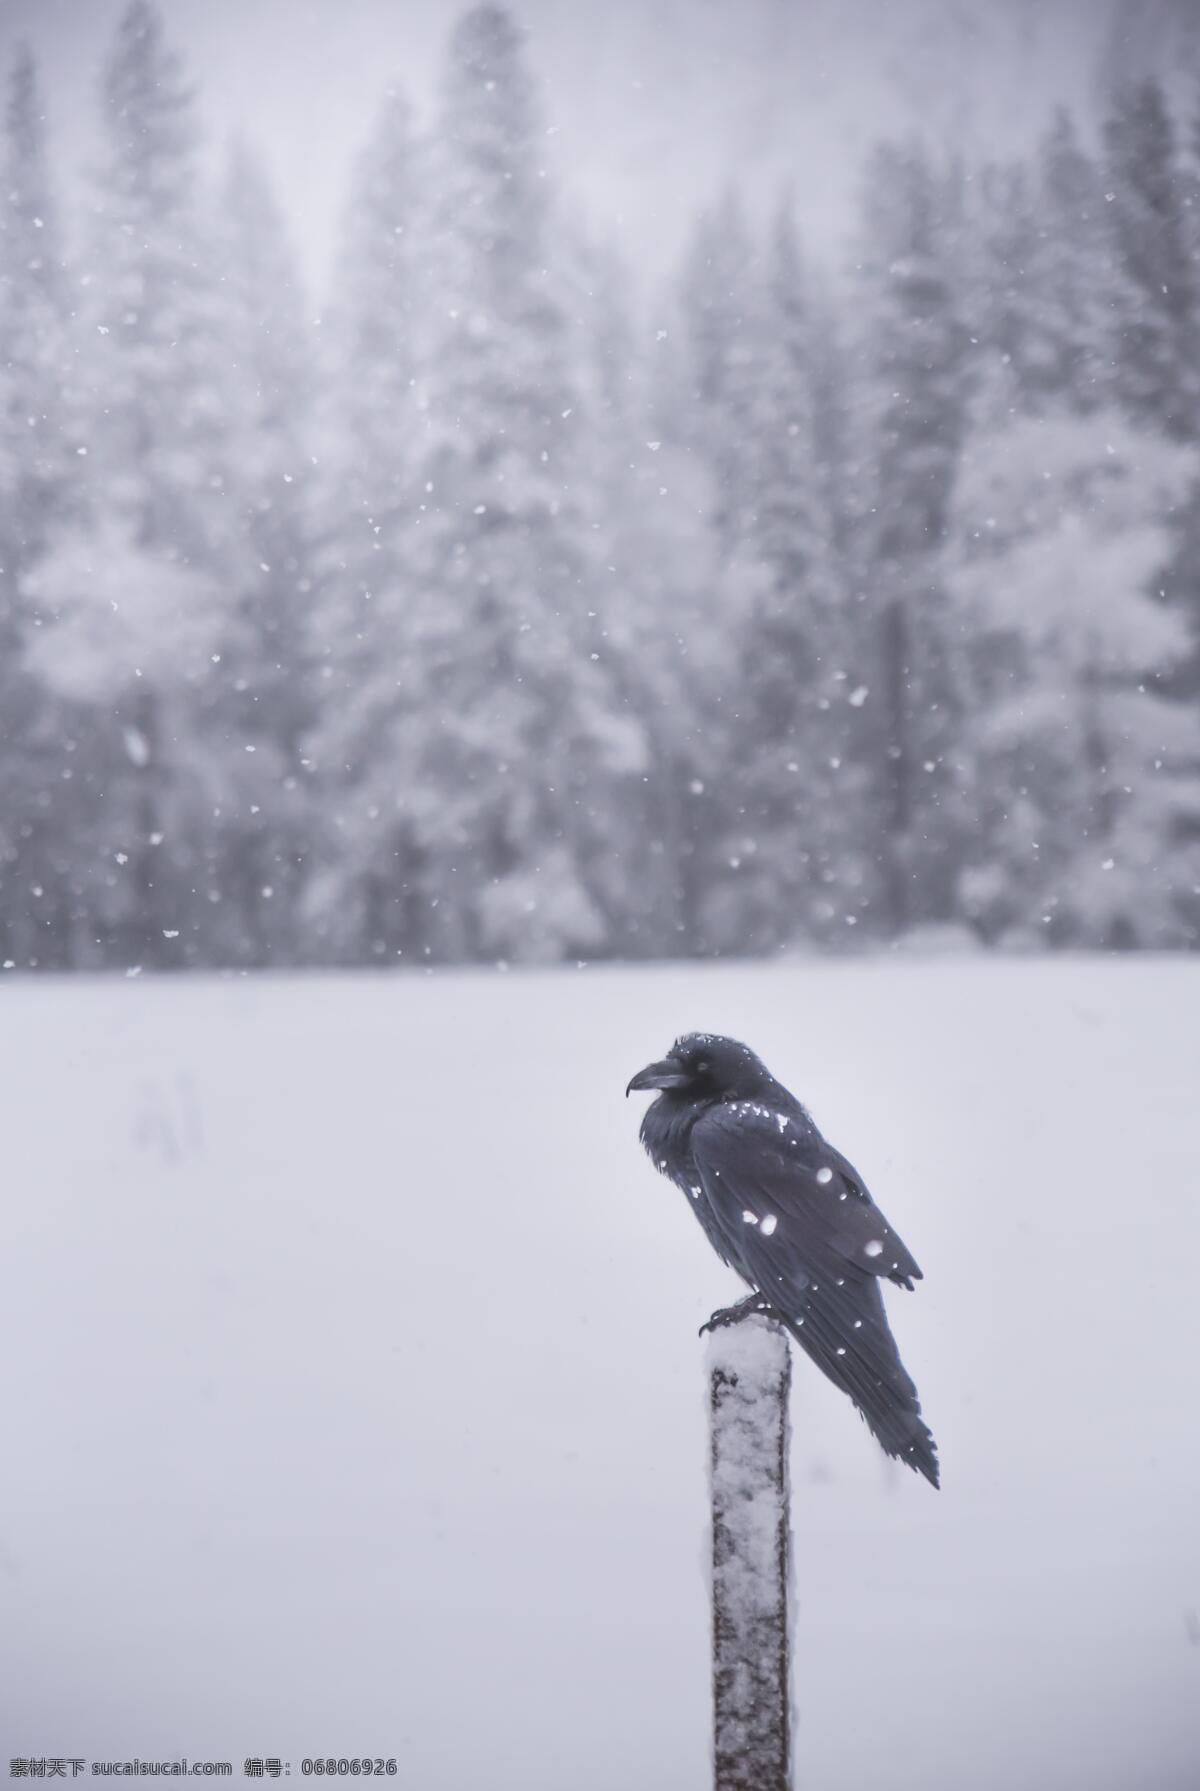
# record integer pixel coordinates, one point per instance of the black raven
(793, 1217)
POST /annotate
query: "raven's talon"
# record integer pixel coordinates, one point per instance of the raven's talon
(732, 1315)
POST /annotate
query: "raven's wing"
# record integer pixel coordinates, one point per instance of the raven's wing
(863, 1225)
(801, 1228)
(783, 1169)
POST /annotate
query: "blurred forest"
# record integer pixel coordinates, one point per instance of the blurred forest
(502, 615)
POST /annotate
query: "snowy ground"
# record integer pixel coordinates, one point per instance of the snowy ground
(352, 1401)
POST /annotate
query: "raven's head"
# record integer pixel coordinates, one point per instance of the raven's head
(703, 1066)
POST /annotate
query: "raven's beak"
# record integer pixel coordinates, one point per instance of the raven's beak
(669, 1073)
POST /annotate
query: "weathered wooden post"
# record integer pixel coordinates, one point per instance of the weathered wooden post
(749, 1376)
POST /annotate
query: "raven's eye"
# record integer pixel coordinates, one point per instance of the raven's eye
(702, 1066)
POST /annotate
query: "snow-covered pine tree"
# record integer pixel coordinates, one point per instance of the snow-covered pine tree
(32, 285)
(369, 504)
(722, 300)
(1039, 284)
(1072, 311)
(1003, 243)
(790, 786)
(1062, 523)
(1088, 771)
(516, 744)
(37, 818)
(703, 386)
(1183, 576)
(645, 596)
(670, 575)
(263, 702)
(130, 593)
(838, 452)
(915, 387)
(1155, 312)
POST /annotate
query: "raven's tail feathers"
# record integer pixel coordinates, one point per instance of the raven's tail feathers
(852, 1344)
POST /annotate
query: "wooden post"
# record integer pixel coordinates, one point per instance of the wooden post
(749, 1368)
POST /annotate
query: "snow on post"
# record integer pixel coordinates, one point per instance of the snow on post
(749, 1374)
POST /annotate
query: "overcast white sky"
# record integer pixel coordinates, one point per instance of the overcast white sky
(654, 105)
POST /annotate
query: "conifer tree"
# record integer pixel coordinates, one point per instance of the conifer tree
(131, 594)
(263, 703)
(1072, 321)
(1157, 377)
(370, 506)
(709, 383)
(1089, 790)
(789, 851)
(914, 362)
(1001, 293)
(32, 281)
(515, 756)
(722, 293)
(645, 594)
(37, 812)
